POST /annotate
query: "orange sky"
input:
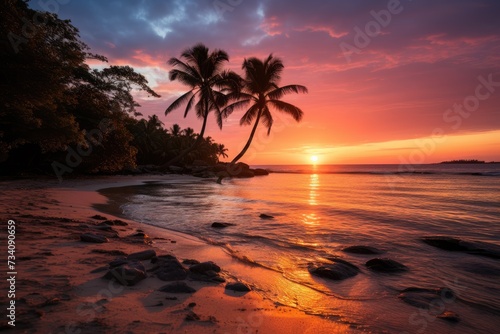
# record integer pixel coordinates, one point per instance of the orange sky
(388, 81)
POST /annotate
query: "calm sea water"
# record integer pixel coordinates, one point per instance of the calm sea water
(319, 210)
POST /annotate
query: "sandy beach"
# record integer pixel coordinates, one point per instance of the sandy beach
(59, 285)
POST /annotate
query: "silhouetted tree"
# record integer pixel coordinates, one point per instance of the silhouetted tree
(262, 91)
(203, 73)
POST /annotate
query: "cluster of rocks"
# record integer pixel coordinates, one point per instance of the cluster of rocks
(220, 170)
(201, 169)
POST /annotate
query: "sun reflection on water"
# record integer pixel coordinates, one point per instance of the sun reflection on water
(313, 189)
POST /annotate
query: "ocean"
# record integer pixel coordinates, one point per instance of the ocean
(320, 210)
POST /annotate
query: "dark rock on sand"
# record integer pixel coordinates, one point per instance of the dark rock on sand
(221, 225)
(204, 267)
(98, 217)
(339, 270)
(191, 316)
(170, 269)
(366, 250)
(118, 262)
(190, 262)
(238, 286)
(115, 222)
(264, 216)
(449, 316)
(177, 287)
(458, 245)
(115, 252)
(128, 274)
(425, 298)
(94, 238)
(140, 256)
(386, 266)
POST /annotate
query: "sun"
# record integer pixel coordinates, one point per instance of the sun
(314, 159)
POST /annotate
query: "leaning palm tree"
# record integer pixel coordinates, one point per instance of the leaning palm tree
(261, 90)
(202, 72)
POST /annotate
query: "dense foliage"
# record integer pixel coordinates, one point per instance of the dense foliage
(59, 115)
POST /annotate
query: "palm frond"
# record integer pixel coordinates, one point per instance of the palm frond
(279, 92)
(287, 108)
(249, 114)
(178, 102)
(183, 77)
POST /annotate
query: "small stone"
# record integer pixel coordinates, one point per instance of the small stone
(221, 225)
(177, 287)
(140, 256)
(191, 316)
(339, 270)
(191, 305)
(238, 286)
(264, 216)
(93, 238)
(128, 274)
(190, 262)
(362, 250)
(98, 217)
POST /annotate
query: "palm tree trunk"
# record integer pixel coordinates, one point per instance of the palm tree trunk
(231, 169)
(247, 145)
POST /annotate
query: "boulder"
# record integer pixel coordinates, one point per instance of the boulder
(425, 298)
(365, 250)
(238, 286)
(98, 217)
(140, 256)
(128, 274)
(259, 172)
(221, 225)
(177, 287)
(93, 238)
(458, 245)
(204, 267)
(337, 271)
(168, 268)
(386, 266)
(118, 262)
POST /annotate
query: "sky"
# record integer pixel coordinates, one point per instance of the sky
(402, 82)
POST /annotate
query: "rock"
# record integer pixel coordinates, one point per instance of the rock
(128, 274)
(204, 267)
(170, 269)
(425, 298)
(260, 172)
(238, 286)
(366, 250)
(264, 216)
(191, 316)
(190, 261)
(98, 217)
(221, 225)
(115, 252)
(458, 245)
(116, 222)
(100, 269)
(191, 305)
(118, 262)
(95, 238)
(337, 271)
(177, 287)
(105, 228)
(140, 256)
(385, 266)
(449, 316)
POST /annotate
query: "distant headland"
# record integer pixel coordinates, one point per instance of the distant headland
(468, 161)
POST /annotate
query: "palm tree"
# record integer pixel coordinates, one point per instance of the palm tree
(202, 72)
(262, 91)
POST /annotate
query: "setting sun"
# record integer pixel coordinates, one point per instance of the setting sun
(314, 159)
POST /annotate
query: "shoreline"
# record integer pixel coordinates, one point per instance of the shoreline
(59, 290)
